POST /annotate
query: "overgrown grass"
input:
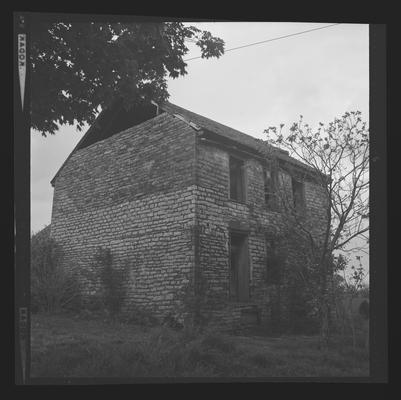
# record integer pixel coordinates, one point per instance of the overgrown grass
(72, 347)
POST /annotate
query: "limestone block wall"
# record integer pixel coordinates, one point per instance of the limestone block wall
(158, 198)
(134, 194)
(217, 214)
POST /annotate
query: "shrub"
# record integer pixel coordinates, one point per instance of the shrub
(53, 288)
(192, 305)
(218, 342)
(139, 316)
(93, 307)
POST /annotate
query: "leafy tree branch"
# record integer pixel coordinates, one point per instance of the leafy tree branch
(79, 68)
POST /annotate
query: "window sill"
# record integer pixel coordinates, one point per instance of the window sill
(272, 210)
(300, 212)
(238, 201)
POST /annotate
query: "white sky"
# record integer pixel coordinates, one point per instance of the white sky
(318, 74)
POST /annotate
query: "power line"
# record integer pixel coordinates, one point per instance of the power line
(270, 40)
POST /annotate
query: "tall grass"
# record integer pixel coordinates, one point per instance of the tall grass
(163, 352)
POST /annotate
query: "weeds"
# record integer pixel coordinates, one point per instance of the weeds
(78, 348)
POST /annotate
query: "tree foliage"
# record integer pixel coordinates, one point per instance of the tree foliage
(337, 154)
(79, 67)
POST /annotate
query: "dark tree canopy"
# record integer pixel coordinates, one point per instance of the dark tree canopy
(77, 67)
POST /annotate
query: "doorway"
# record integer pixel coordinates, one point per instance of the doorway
(239, 266)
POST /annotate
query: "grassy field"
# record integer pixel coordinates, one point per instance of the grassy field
(66, 346)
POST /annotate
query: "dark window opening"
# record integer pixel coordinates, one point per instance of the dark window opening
(239, 267)
(298, 194)
(269, 188)
(273, 263)
(237, 179)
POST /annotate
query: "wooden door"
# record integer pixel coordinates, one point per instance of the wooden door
(239, 276)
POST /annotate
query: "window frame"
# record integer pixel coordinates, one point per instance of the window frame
(273, 262)
(272, 204)
(242, 179)
(300, 189)
(244, 242)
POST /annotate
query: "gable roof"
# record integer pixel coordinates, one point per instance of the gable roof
(196, 121)
(222, 130)
(261, 146)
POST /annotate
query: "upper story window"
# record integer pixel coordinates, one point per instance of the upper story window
(269, 177)
(237, 179)
(298, 194)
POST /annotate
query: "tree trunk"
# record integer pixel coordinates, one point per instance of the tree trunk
(324, 305)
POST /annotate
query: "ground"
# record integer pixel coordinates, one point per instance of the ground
(74, 346)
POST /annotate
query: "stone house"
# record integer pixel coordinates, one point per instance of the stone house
(188, 205)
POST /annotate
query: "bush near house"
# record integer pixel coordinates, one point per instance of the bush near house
(53, 288)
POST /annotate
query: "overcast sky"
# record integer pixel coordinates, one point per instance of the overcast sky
(319, 74)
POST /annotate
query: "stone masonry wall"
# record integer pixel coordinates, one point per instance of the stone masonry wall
(216, 213)
(159, 200)
(134, 194)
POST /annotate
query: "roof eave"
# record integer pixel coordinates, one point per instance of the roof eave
(88, 132)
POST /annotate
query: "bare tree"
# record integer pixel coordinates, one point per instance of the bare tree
(337, 156)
